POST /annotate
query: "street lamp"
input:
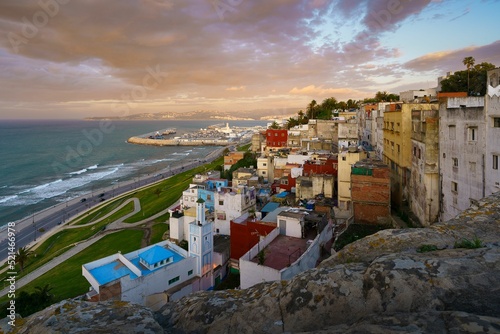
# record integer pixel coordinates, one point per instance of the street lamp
(34, 225)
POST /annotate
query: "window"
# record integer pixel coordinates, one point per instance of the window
(399, 149)
(343, 158)
(173, 280)
(454, 186)
(473, 133)
(452, 131)
(455, 162)
(495, 161)
(414, 151)
(190, 272)
(419, 153)
(392, 145)
(221, 202)
(496, 122)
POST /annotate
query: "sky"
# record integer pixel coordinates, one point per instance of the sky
(76, 59)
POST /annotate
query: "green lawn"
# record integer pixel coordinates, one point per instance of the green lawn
(154, 201)
(67, 280)
(97, 213)
(157, 232)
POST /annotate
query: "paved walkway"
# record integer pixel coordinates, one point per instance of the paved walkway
(113, 227)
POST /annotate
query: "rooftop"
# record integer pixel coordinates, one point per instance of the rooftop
(111, 271)
(284, 250)
(116, 269)
(155, 254)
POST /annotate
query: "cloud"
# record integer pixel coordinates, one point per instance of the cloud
(258, 52)
(320, 91)
(451, 60)
(234, 88)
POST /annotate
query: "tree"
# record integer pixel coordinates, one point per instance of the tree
(351, 104)
(325, 110)
(157, 192)
(275, 125)
(43, 294)
(469, 62)
(22, 256)
(473, 82)
(342, 105)
(311, 108)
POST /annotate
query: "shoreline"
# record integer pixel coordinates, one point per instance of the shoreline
(26, 222)
(180, 142)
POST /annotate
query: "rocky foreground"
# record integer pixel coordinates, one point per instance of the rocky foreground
(379, 284)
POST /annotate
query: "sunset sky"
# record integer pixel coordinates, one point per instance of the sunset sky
(72, 59)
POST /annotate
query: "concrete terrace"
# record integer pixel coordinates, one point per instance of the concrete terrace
(285, 250)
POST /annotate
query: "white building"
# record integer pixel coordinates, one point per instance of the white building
(153, 275)
(232, 202)
(412, 95)
(462, 146)
(492, 106)
(348, 134)
(293, 247)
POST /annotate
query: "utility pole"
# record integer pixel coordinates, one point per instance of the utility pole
(34, 225)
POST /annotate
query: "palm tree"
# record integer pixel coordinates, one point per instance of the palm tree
(469, 62)
(310, 109)
(43, 294)
(22, 257)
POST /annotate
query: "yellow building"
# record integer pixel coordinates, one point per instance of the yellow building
(398, 147)
(346, 160)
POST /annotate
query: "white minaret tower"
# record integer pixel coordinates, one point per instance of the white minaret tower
(201, 245)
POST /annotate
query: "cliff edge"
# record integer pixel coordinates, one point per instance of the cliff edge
(395, 281)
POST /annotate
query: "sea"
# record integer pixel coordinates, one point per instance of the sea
(46, 162)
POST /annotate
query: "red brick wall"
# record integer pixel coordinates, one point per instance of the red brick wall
(371, 196)
(368, 214)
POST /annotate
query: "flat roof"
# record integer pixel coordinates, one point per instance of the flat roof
(111, 271)
(271, 206)
(116, 269)
(284, 250)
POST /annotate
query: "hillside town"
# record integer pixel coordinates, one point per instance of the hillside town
(410, 163)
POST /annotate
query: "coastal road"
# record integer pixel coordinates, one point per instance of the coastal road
(31, 228)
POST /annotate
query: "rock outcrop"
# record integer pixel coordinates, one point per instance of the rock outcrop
(379, 284)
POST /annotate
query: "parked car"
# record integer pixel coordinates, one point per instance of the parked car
(83, 200)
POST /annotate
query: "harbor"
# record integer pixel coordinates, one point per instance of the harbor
(213, 135)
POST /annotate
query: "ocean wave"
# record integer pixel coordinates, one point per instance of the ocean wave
(162, 160)
(78, 172)
(57, 188)
(81, 171)
(180, 153)
(4, 199)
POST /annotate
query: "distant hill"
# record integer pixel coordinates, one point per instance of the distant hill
(257, 114)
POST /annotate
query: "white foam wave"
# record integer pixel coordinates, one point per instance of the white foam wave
(93, 167)
(78, 172)
(4, 199)
(180, 153)
(57, 187)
